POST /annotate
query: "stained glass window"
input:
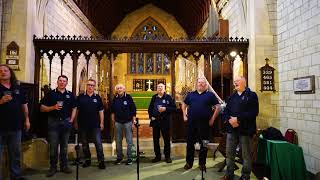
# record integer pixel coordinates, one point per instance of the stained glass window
(141, 63)
(159, 63)
(149, 58)
(149, 63)
(166, 69)
(133, 63)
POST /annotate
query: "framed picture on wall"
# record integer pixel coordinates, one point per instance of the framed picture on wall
(304, 85)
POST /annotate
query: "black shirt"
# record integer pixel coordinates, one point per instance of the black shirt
(11, 113)
(68, 99)
(124, 108)
(89, 107)
(200, 107)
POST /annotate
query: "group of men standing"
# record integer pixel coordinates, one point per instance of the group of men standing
(200, 109)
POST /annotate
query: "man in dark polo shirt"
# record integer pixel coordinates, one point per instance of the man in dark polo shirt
(198, 112)
(123, 115)
(61, 107)
(240, 117)
(14, 114)
(91, 122)
(160, 109)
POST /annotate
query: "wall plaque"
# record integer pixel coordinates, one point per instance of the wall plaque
(304, 85)
(12, 55)
(267, 77)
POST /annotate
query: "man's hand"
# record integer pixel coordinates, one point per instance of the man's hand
(101, 126)
(27, 124)
(71, 120)
(5, 99)
(162, 109)
(57, 107)
(185, 118)
(76, 126)
(234, 122)
(134, 120)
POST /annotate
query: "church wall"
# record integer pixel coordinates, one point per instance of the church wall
(60, 18)
(256, 20)
(299, 55)
(23, 19)
(14, 27)
(127, 27)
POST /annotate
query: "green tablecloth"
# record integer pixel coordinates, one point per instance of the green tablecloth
(285, 160)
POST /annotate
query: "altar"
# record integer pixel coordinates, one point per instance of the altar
(147, 84)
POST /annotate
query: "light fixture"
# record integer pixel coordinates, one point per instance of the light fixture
(233, 54)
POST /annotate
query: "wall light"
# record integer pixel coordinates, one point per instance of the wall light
(233, 54)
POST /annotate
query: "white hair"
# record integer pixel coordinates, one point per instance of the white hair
(119, 85)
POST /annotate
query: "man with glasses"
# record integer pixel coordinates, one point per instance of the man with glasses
(60, 104)
(160, 109)
(91, 123)
(198, 112)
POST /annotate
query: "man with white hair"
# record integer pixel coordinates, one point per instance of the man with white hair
(240, 117)
(200, 117)
(123, 115)
(160, 109)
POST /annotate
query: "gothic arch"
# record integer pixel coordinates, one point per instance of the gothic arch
(134, 19)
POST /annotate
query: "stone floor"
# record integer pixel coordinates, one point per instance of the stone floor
(148, 171)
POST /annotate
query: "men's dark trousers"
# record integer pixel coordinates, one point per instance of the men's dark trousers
(197, 135)
(165, 131)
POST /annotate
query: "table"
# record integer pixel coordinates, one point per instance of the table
(286, 160)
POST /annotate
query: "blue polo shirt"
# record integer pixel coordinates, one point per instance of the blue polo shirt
(11, 113)
(88, 108)
(124, 108)
(69, 102)
(200, 107)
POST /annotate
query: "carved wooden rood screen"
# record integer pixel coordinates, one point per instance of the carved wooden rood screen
(216, 53)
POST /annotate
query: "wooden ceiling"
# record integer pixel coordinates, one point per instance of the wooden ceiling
(106, 15)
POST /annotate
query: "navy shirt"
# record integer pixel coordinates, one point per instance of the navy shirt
(12, 115)
(68, 99)
(246, 108)
(124, 108)
(89, 107)
(164, 101)
(200, 107)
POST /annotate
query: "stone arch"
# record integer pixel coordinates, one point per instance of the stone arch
(133, 20)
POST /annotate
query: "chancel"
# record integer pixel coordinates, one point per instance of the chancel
(139, 44)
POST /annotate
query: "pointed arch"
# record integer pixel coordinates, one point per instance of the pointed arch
(150, 29)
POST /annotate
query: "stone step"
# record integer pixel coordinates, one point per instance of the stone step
(36, 153)
(146, 148)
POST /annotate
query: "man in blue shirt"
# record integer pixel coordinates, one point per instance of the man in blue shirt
(160, 109)
(123, 115)
(91, 122)
(14, 114)
(61, 107)
(198, 112)
(240, 117)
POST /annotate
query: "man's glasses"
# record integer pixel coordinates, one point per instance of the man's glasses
(92, 85)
